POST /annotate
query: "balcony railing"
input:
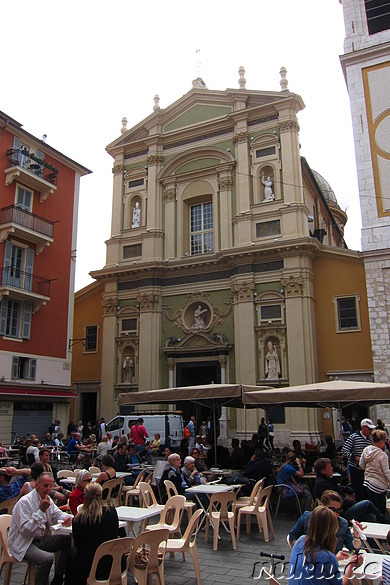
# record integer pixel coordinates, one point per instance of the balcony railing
(21, 157)
(15, 214)
(24, 281)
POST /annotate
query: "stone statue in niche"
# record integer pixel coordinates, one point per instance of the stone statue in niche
(269, 195)
(136, 222)
(127, 371)
(199, 318)
(272, 363)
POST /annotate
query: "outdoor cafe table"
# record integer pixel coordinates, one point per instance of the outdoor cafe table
(210, 489)
(376, 531)
(370, 569)
(131, 515)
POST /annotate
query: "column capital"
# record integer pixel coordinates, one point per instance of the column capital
(289, 126)
(241, 136)
(154, 159)
(293, 285)
(110, 305)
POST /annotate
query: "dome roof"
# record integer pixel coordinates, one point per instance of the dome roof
(326, 189)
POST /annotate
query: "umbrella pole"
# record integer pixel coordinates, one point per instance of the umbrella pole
(245, 420)
(215, 436)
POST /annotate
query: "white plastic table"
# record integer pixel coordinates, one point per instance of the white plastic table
(370, 569)
(131, 515)
(376, 531)
(209, 490)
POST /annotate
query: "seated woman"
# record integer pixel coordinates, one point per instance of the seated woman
(102, 449)
(83, 478)
(108, 470)
(313, 559)
(93, 525)
(288, 474)
(199, 463)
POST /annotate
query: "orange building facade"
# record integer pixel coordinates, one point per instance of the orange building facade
(39, 205)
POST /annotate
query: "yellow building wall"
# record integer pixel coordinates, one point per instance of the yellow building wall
(347, 351)
(86, 366)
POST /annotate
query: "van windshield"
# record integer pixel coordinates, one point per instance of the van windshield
(115, 424)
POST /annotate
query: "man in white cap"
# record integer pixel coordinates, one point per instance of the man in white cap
(353, 448)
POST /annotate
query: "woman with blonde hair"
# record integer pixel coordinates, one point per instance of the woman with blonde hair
(93, 525)
(313, 556)
(375, 463)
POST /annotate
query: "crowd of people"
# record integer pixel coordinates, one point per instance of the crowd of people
(358, 492)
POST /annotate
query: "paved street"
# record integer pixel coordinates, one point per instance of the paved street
(223, 566)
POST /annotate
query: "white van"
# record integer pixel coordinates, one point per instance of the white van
(169, 425)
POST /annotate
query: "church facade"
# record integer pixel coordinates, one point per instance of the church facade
(226, 261)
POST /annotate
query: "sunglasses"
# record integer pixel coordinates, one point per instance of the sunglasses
(335, 510)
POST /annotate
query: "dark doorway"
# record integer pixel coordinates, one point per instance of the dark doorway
(196, 374)
(88, 406)
(355, 414)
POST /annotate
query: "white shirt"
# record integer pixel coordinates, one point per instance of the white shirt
(35, 451)
(28, 521)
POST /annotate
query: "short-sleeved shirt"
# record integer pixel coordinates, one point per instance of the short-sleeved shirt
(285, 474)
(7, 492)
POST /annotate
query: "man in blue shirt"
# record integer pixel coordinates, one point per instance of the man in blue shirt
(10, 490)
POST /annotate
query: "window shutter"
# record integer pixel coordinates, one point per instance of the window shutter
(23, 199)
(3, 315)
(29, 269)
(26, 320)
(33, 368)
(15, 368)
(7, 262)
(17, 143)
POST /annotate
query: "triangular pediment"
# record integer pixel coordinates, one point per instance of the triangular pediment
(196, 114)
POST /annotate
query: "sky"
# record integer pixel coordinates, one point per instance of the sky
(73, 69)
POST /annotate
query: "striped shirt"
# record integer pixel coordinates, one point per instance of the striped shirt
(386, 571)
(354, 446)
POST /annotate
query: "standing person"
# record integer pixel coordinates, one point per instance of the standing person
(263, 434)
(271, 434)
(353, 449)
(375, 464)
(139, 434)
(191, 428)
(313, 559)
(346, 428)
(29, 538)
(72, 428)
(93, 525)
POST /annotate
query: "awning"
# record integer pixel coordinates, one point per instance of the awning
(36, 392)
(219, 394)
(335, 394)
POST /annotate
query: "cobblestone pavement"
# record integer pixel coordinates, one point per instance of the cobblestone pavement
(222, 566)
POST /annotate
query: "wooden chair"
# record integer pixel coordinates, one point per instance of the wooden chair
(188, 543)
(147, 556)
(171, 516)
(5, 556)
(260, 509)
(189, 506)
(7, 506)
(219, 512)
(94, 469)
(115, 549)
(250, 500)
(132, 491)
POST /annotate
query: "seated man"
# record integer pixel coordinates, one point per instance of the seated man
(121, 461)
(59, 493)
(191, 475)
(33, 450)
(237, 458)
(257, 467)
(76, 449)
(363, 511)
(29, 538)
(10, 490)
(333, 501)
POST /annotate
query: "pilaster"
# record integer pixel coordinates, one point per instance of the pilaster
(149, 300)
(244, 337)
(108, 373)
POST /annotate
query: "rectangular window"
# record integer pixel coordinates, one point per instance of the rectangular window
(378, 15)
(18, 266)
(15, 318)
(268, 228)
(129, 325)
(24, 199)
(91, 339)
(347, 313)
(265, 152)
(136, 183)
(201, 228)
(271, 313)
(23, 368)
(133, 251)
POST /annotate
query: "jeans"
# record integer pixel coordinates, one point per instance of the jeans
(365, 511)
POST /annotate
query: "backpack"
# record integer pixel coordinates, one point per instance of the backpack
(187, 432)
